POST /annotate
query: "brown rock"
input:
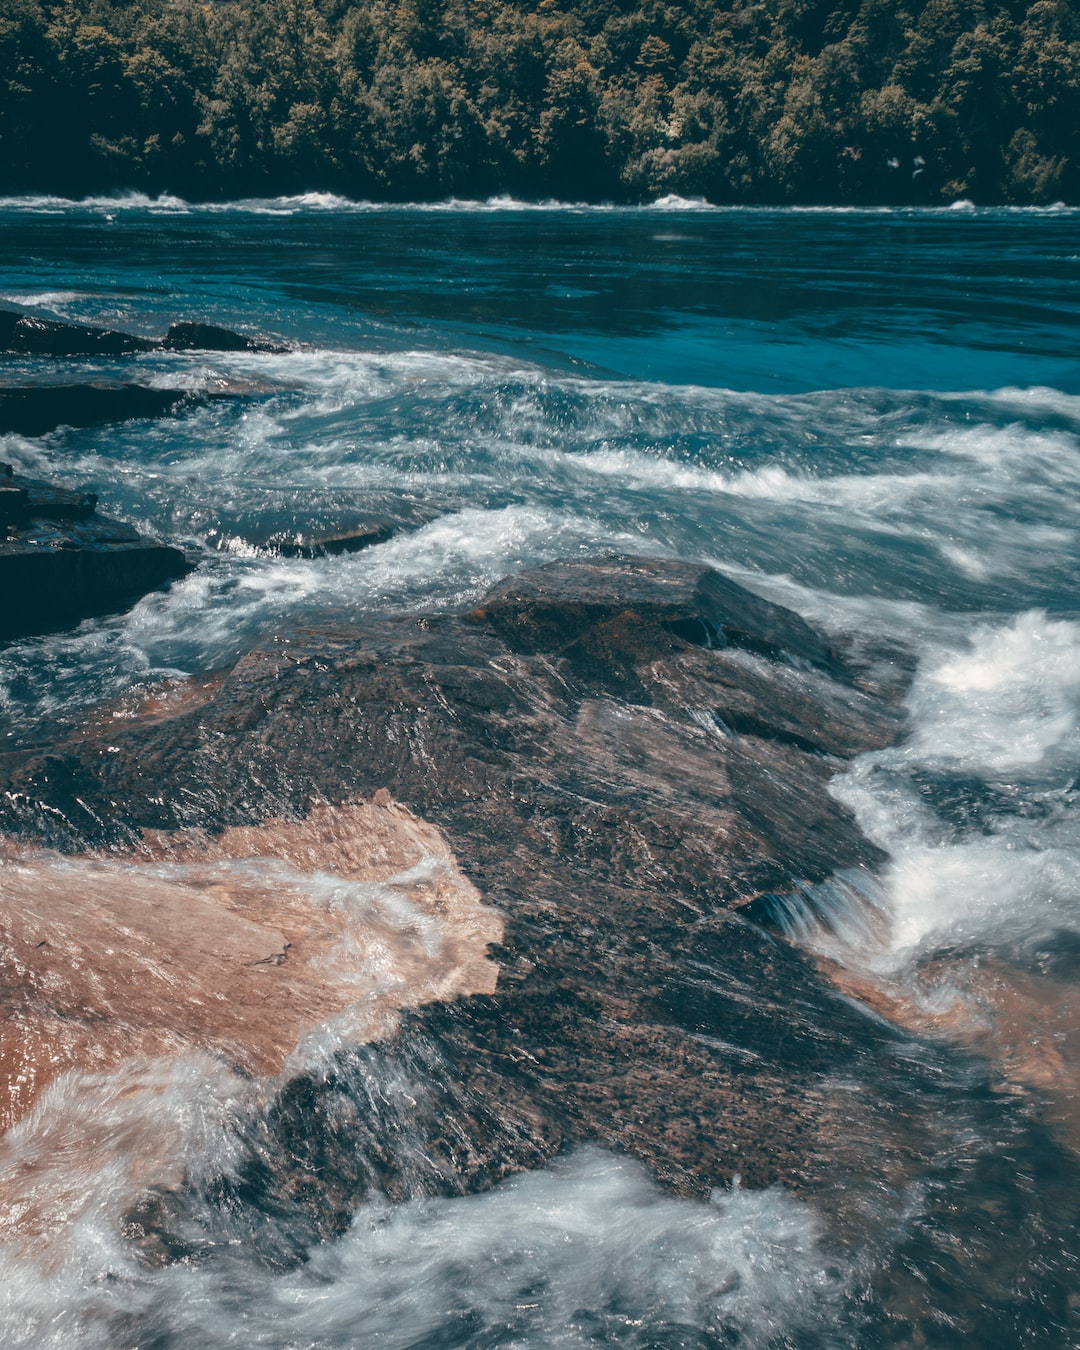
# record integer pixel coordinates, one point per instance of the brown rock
(208, 951)
(578, 742)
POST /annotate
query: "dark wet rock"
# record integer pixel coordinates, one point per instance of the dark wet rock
(554, 608)
(28, 334)
(626, 795)
(23, 500)
(318, 541)
(34, 410)
(61, 562)
(34, 336)
(288, 523)
(189, 336)
(580, 754)
(324, 544)
(14, 497)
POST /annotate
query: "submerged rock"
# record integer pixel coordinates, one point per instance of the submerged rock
(320, 523)
(188, 336)
(33, 336)
(34, 410)
(61, 562)
(27, 334)
(330, 543)
(315, 540)
(625, 756)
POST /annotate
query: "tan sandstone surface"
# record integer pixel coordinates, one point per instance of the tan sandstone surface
(238, 945)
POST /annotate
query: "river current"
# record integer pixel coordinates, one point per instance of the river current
(871, 417)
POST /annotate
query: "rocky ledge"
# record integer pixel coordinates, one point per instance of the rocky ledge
(61, 562)
(630, 759)
(30, 335)
(119, 963)
(612, 769)
(35, 409)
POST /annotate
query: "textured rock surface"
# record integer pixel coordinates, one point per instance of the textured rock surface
(189, 336)
(358, 909)
(29, 335)
(317, 523)
(626, 756)
(630, 798)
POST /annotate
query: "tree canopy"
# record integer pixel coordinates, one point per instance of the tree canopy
(740, 101)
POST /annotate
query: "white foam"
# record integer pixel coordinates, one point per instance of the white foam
(871, 619)
(673, 202)
(316, 201)
(588, 1249)
(124, 201)
(1034, 398)
(872, 493)
(1000, 708)
(328, 202)
(1006, 701)
(91, 1146)
(469, 550)
(983, 891)
(49, 300)
(288, 205)
(978, 566)
(1014, 450)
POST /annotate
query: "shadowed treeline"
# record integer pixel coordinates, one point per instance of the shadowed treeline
(768, 101)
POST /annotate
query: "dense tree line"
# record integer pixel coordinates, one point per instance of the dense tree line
(737, 100)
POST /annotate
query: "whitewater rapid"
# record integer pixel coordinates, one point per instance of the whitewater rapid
(903, 470)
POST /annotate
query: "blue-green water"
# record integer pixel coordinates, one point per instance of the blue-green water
(872, 417)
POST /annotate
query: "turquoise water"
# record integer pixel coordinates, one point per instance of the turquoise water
(872, 417)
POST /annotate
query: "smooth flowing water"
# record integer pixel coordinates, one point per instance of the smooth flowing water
(870, 417)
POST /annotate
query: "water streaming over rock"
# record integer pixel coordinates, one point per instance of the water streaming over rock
(870, 418)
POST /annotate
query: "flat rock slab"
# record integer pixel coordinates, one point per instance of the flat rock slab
(287, 522)
(352, 532)
(61, 562)
(630, 758)
(239, 944)
(34, 410)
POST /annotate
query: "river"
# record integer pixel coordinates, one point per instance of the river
(870, 417)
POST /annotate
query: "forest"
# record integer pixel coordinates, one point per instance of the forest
(737, 101)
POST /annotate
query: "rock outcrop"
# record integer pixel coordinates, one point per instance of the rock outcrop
(30, 335)
(189, 336)
(61, 562)
(34, 410)
(629, 758)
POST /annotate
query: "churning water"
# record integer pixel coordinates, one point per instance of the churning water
(871, 417)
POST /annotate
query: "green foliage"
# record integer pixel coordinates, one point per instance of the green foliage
(737, 100)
